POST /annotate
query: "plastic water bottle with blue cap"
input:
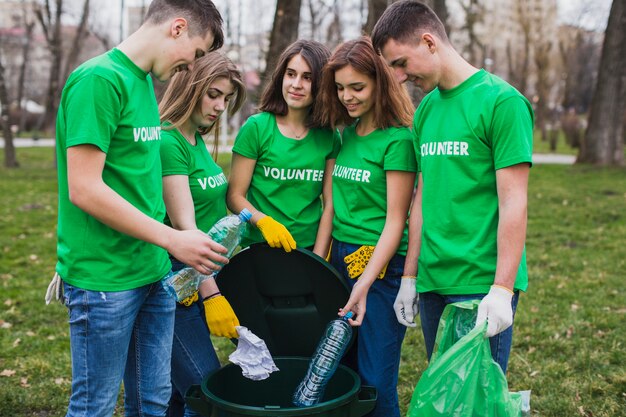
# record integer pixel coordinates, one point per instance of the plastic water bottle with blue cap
(324, 362)
(227, 231)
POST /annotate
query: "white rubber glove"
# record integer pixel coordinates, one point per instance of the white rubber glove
(406, 306)
(55, 290)
(496, 309)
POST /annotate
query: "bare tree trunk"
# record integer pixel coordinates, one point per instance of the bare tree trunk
(580, 57)
(10, 160)
(604, 137)
(77, 43)
(474, 15)
(52, 32)
(284, 32)
(25, 60)
(333, 32)
(375, 9)
(542, 63)
(518, 70)
(318, 9)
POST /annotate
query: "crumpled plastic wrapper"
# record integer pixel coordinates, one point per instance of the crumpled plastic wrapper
(252, 356)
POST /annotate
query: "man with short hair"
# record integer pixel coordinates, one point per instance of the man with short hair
(112, 245)
(473, 140)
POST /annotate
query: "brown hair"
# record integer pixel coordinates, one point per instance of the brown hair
(405, 20)
(187, 88)
(315, 54)
(201, 15)
(392, 104)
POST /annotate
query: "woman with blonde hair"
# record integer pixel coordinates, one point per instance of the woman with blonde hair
(194, 190)
(372, 184)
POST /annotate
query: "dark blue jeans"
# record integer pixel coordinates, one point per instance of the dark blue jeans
(431, 307)
(380, 335)
(193, 355)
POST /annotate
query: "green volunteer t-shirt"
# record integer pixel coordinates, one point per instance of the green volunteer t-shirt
(287, 179)
(462, 136)
(360, 182)
(109, 102)
(207, 182)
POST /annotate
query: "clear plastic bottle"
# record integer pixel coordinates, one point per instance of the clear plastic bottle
(324, 362)
(227, 231)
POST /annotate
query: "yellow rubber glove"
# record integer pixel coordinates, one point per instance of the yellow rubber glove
(189, 300)
(220, 317)
(357, 261)
(276, 234)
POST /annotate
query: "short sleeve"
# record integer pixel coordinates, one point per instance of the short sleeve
(400, 155)
(92, 118)
(247, 141)
(336, 145)
(174, 156)
(512, 132)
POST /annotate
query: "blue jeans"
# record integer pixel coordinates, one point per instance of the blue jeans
(380, 335)
(431, 307)
(115, 336)
(193, 355)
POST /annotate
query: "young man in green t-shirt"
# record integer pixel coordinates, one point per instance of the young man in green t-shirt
(473, 141)
(112, 246)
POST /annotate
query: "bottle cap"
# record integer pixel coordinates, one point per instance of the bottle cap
(348, 315)
(245, 215)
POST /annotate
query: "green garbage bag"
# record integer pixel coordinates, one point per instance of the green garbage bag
(462, 379)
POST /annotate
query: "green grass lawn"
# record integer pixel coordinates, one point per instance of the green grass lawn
(569, 344)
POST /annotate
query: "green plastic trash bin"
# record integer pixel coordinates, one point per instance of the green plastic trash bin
(286, 299)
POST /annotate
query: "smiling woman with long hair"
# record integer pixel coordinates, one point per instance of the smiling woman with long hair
(371, 189)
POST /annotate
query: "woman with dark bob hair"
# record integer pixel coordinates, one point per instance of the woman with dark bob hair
(281, 156)
(372, 184)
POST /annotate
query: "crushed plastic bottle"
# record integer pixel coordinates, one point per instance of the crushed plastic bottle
(324, 362)
(227, 232)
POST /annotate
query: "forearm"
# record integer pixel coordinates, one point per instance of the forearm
(237, 202)
(386, 248)
(207, 288)
(103, 203)
(511, 238)
(399, 187)
(512, 185)
(415, 234)
(325, 228)
(324, 232)
(179, 202)
(241, 172)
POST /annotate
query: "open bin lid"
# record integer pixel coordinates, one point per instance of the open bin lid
(286, 299)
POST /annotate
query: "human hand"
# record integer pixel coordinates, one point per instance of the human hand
(220, 317)
(357, 303)
(496, 309)
(358, 260)
(196, 249)
(276, 234)
(406, 306)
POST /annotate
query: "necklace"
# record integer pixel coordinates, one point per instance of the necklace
(189, 138)
(295, 134)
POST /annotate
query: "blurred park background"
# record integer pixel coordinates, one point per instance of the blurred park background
(566, 56)
(553, 51)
